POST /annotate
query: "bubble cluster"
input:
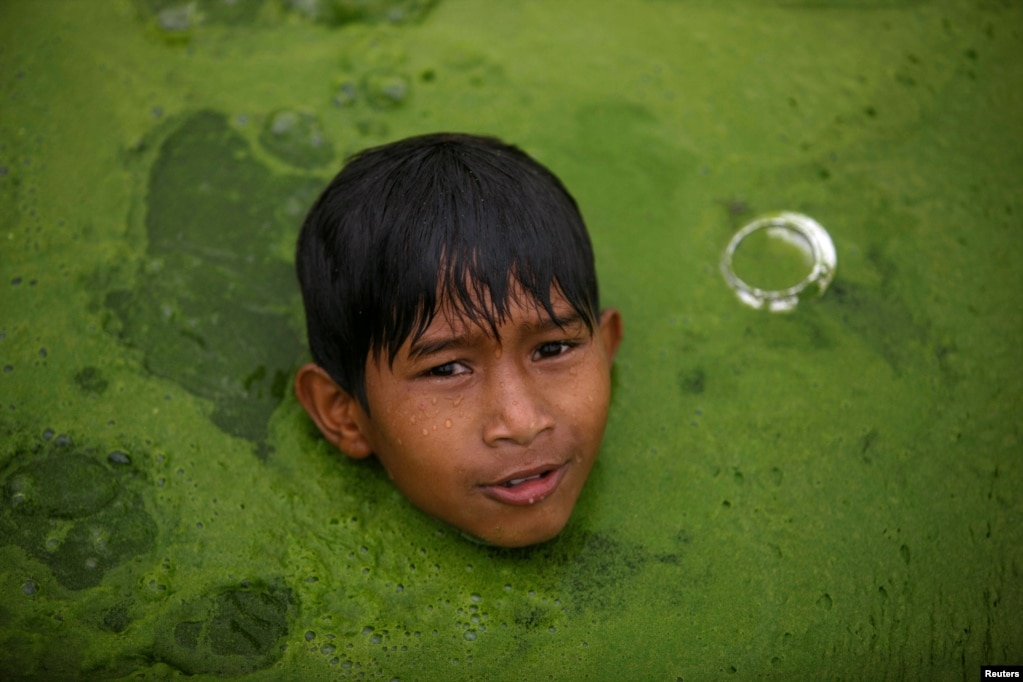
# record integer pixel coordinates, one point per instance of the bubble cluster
(341, 12)
(297, 138)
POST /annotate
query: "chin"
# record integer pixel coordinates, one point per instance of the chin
(512, 539)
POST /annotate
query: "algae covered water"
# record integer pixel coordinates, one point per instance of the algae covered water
(832, 492)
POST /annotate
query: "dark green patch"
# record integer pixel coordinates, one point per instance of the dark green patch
(600, 568)
(236, 631)
(65, 484)
(72, 514)
(592, 568)
(885, 323)
(187, 634)
(692, 381)
(116, 618)
(91, 381)
(211, 301)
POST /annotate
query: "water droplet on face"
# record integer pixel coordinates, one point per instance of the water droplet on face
(447, 423)
(426, 432)
(433, 401)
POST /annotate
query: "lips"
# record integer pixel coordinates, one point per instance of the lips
(528, 486)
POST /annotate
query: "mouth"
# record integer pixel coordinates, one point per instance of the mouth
(527, 487)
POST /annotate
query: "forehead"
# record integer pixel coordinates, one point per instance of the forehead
(483, 317)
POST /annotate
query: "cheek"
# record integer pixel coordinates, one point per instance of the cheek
(584, 401)
(418, 420)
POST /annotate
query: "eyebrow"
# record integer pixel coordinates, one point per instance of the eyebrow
(425, 347)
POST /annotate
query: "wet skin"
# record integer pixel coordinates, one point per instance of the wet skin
(494, 435)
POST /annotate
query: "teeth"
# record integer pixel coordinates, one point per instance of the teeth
(516, 481)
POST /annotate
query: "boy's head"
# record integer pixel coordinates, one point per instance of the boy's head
(453, 317)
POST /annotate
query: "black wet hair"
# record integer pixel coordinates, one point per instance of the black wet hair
(441, 218)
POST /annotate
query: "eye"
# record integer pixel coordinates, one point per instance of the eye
(448, 369)
(552, 349)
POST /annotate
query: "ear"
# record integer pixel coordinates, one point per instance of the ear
(610, 331)
(337, 414)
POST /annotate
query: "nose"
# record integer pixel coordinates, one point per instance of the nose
(517, 412)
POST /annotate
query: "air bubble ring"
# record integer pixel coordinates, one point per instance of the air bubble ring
(805, 233)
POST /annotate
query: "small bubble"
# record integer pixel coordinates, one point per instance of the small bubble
(470, 636)
(8, 369)
(16, 281)
(328, 649)
(30, 587)
(475, 598)
(42, 353)
(48, 434)
(310, 635)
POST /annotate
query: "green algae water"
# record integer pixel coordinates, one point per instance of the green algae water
(833, 492)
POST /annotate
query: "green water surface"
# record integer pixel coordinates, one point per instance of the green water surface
(833, 493)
